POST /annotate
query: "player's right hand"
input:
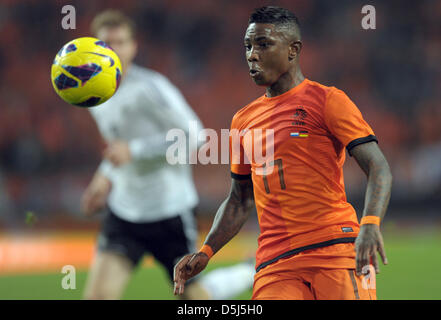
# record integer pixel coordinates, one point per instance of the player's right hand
(189, 266)
(95, 197)
(367, 244)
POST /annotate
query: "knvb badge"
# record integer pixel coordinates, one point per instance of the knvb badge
(300, 114)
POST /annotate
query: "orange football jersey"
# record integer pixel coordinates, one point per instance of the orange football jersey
(298, 186)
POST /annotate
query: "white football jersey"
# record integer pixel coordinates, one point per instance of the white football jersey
(141, 112)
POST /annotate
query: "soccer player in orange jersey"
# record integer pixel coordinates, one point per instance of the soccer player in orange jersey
(311, 244)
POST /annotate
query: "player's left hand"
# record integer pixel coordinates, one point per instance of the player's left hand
(118, 153)
(368, 242)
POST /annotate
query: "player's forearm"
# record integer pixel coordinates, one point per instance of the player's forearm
(157, 146)
(101, 182)
(227, 223)
(104, 169)
(372, 161)
(378, 190)
(230, 217)
(145, 148)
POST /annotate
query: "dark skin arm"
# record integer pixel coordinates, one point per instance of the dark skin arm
(372, 161)
(229, 219)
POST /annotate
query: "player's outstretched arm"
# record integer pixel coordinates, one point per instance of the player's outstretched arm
(379, 184)
(95, 196)
(230, 217)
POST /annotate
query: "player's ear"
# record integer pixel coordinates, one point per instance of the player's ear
(294, 50)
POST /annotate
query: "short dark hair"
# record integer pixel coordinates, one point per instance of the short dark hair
(275, 15)
(112, 18)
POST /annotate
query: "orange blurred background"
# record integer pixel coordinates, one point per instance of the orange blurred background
(49, 150)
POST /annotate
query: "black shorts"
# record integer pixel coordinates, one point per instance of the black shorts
(167, 240)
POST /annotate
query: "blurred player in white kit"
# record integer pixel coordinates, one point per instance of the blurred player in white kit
(149, 202)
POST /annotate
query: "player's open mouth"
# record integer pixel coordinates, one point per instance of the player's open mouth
(254, 73)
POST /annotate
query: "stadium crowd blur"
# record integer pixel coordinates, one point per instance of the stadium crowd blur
(49, 150)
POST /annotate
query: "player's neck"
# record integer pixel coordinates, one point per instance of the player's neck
(285, 83)
(126, 68)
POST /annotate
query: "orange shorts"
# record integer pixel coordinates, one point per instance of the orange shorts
(320, 274)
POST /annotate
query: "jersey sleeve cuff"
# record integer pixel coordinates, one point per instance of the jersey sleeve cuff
(105, 168)
(136, 148)
(359, 141)
(240, 176)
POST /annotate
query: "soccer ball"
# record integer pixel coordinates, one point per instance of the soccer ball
(86, 72)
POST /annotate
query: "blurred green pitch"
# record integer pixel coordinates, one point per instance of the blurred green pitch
(412, 273)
